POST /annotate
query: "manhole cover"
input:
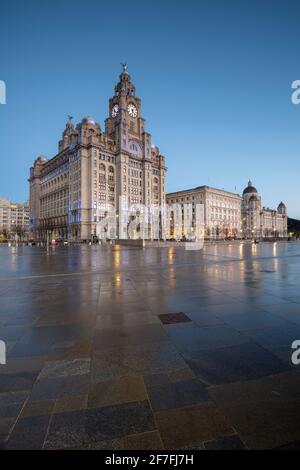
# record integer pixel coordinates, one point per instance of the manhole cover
(169, 318)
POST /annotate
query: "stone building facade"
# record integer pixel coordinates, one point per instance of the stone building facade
(98, 175)
(221, 212)
(225, 214)
(262, 222)
(14, 218)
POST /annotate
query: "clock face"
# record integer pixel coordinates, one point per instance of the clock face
(115, 110)
(132, 111)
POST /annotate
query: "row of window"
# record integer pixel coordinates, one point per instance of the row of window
(53, 174)
(135, 164)
(106, 158)
(102, 168)
(225, 211)
(53, 182)
(57, 195)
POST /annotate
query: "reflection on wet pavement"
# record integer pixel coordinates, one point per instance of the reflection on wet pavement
(125, 348)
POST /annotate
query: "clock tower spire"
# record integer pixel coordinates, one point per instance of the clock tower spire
(125, 121)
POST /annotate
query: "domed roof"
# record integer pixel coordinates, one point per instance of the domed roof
(88, 120)
(250, 188)
(282, 205)
(41, 159)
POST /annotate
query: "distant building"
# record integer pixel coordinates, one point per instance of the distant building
(226, 214)
(222, 212)
(72, 193)
(14, 218)
(261, 222)
(293, 227)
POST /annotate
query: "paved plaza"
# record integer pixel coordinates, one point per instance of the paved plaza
(156, 348)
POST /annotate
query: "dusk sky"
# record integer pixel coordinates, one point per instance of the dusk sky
(214, 77)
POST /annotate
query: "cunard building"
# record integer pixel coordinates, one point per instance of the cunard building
(221, 212)
(99, 175)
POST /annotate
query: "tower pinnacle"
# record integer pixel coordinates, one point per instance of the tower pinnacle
(124, 67)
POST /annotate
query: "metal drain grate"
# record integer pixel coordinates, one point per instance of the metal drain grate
(169, 318)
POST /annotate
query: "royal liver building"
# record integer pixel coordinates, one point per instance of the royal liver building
(99, 182)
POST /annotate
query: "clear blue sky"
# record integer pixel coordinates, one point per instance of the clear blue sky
(214, 77)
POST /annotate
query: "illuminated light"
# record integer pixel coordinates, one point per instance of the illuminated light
(170, 254)
(117, 262)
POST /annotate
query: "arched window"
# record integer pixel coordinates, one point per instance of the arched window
(102, 167)
(134, 147)
(111, 169)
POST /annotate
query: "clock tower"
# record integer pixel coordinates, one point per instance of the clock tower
(140, 168)
(125, 123)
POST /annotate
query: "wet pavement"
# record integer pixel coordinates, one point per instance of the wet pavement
(157, 348)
